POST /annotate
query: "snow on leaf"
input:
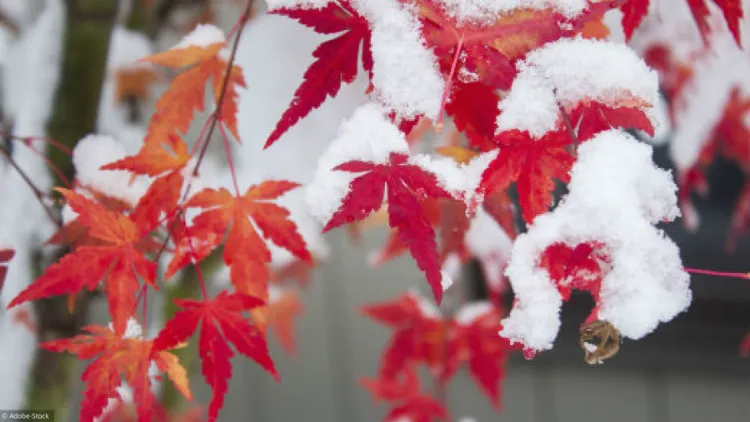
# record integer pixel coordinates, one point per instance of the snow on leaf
(336, 59)
(569, 72)
(94, 151)
(222, 322)
(400, 58)
(614, 175)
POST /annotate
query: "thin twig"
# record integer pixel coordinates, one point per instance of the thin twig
(37, 193)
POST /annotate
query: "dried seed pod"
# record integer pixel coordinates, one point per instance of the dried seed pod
(600, 340)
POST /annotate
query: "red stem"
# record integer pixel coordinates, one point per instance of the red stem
(718, 273)
(225, 140)
(195, 261)
(449, 84)
(50, 164)
(27, 139)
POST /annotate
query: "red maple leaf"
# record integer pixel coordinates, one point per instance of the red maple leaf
(119, 358)
(245, 252)
(532, 164)
(117, 261)
(635, 10)
(485, 352)
(222, 322)
(594, 117)
(443, 344)
(407, 184)
(578, 268)
(418, 338)
(336, 60)
(408, 401)
(473, 107)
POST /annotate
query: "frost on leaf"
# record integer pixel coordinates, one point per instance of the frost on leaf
(616, 196)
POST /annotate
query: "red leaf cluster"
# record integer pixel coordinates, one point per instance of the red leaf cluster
(442, 344)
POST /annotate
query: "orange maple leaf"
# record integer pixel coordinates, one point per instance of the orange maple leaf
(116, 259)
(245, 252)
(186, 93)
(133, 82)
(282, 312)
(221, 315)
(119, 358)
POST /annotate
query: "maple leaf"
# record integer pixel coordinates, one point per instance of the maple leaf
(221, 320)
(473, 107)
(336, 59)
(163, 149)
(443, 344)
(117, 261)
(578, 268)
(593, 117)
(245, 252)
(490, 51)
(732, 10)
(409, 402)
(118, 358)
(298, 271)
(282, 311)
(406, 184)
(6, 254)
(633, 12)
(487, 352)
(418, 337)
(133, 83)
(532, 164)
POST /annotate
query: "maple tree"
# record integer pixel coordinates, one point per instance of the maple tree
(523, 116)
